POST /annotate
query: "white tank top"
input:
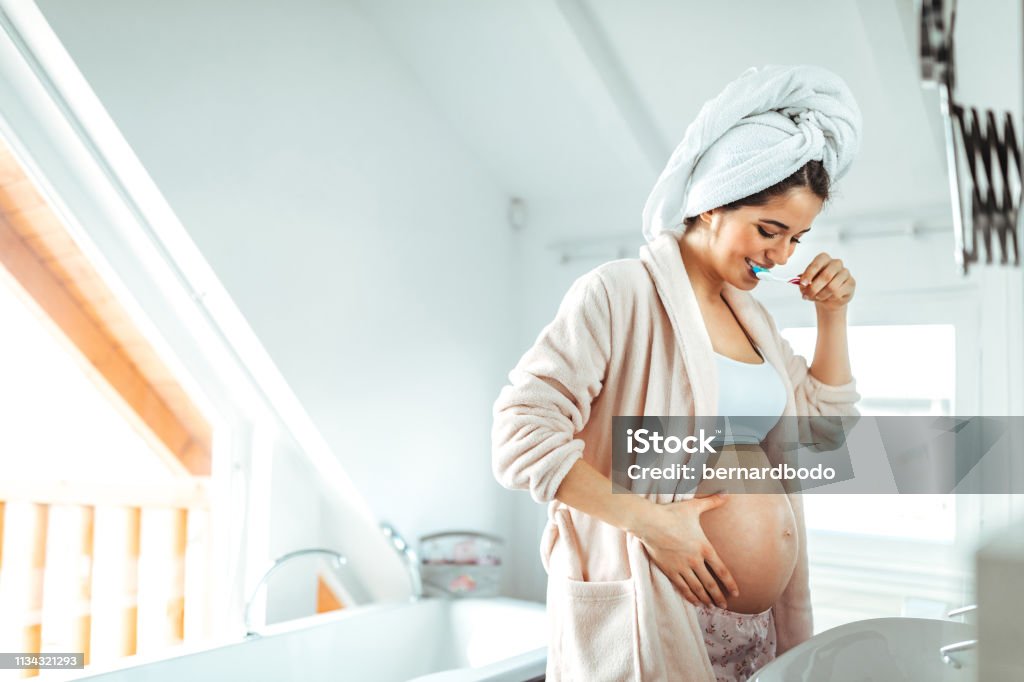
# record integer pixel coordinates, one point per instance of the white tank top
(754, 392)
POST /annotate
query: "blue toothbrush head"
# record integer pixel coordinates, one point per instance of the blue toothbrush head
(758, 268)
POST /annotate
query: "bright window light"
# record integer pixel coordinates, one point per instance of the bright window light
(57, 422)
(901, 370)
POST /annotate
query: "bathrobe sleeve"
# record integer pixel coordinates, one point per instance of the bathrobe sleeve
(552, 387)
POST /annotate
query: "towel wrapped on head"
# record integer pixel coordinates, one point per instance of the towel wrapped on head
(765, 126)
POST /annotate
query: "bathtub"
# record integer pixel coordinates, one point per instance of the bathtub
(435, 640)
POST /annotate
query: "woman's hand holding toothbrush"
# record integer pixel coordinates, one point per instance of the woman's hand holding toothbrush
(825, 281)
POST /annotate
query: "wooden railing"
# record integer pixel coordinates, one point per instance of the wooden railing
(107, 569)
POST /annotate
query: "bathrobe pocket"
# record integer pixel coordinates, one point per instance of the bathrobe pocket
(595, 630)
(593, 634)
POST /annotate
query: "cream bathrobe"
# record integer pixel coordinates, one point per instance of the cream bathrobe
(629, 339)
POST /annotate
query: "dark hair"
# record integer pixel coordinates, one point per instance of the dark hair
(812, 175)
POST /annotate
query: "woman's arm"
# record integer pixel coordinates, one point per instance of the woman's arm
(671, 533)
(831, 286)
(590, 491)
(831, 364)
(548, 400)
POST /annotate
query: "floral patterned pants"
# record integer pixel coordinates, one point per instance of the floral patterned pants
(738, 643)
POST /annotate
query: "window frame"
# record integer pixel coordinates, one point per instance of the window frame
(115, 214)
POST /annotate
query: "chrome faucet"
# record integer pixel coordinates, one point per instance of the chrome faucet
(411, 559)
(961, 611)
(947, 651)
(339, 561)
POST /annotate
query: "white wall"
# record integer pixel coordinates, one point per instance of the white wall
(367, 250)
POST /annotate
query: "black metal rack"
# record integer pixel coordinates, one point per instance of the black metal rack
(975, 139)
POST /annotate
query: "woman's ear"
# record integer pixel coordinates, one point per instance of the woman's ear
(705, 217)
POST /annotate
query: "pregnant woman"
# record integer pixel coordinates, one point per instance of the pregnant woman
(694, 585)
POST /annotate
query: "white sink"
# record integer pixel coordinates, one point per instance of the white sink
(877, 650)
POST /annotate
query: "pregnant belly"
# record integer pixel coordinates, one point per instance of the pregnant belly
(754, 532)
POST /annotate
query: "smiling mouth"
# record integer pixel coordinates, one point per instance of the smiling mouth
(752, 263)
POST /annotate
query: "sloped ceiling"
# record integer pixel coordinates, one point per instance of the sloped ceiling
(579, 100)
(579, 103)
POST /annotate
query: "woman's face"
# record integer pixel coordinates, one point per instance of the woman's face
(758, 235)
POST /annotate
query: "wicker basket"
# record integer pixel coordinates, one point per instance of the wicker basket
(458, 564)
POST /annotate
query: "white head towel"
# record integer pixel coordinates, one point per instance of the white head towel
(761, 129)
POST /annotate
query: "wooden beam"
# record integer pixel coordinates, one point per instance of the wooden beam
(21, 585)
(66, 579)
(198, 572)
(51, 268)
(33, 637)
(114, 583)
(176, 603)
(130, 587)
(161, 579)
(128, 389)
(83, 582)
(18, 194)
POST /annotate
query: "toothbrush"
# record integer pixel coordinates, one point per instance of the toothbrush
(765, 273)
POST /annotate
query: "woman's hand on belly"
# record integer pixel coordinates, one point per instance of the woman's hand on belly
(676, 543)
(755, 533)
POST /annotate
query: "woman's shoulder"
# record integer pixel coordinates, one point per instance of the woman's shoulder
(623, 278)
(609, 289)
